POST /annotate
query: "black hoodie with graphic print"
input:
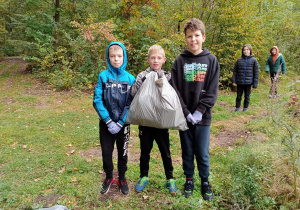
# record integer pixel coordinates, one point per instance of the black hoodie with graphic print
(196, 81)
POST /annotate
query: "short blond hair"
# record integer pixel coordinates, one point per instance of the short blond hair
(156, 48)
(115, 47)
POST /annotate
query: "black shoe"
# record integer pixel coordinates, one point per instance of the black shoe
(123, 186)
(206, 191)
(106, 185)
(188, 188)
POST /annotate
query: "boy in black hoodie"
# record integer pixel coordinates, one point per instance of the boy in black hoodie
(195, 77)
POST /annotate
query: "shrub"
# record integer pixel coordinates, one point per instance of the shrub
(79, 61)
(245, 179)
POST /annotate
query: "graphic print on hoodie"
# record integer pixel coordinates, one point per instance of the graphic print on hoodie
(194, 72)
(195, 78)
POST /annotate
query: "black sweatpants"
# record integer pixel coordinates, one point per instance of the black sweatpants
(246, 89)
(161, 136)
(107, 141)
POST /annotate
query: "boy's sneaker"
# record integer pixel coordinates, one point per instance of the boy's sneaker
(139, 187)
(206, 191)
(237, 109)
(245, 109)
(171, 184)
(123, 186)
(188, 188)
(106, 185)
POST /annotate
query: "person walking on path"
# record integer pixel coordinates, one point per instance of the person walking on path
(275, 65)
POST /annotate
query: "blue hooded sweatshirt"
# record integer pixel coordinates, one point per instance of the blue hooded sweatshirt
(112, 92)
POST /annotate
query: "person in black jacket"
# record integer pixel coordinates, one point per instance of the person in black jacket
(245, 74)
(195, 78)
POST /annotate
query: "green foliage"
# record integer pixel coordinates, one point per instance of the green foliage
(79, 63)
(15, 48)
(245, 179)
(142, 23)
(288, 121)
(172, 48)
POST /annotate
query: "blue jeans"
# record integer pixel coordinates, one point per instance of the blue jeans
(195, 142)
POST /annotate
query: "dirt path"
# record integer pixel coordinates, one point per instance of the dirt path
(9, 62)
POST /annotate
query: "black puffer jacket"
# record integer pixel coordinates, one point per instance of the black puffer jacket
(245, 71)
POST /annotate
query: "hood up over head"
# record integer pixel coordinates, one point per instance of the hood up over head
(121, 69)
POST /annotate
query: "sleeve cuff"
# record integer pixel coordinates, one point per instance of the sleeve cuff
(201, 108)
(108, 120)
(120, 123)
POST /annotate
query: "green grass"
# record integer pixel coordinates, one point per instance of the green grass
(42, 133)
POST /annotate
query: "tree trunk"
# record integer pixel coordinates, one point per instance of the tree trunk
(56, 19)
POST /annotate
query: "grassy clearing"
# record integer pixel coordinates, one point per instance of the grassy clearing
(47, 138)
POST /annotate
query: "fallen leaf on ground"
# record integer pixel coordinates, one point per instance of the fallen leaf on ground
(48, 190)
(74, 179)
(12, 145)
(62, 170)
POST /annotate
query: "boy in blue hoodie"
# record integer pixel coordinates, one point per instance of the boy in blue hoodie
(111, 101)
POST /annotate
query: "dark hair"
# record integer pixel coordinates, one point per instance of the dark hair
(194, 24)
(249, 47)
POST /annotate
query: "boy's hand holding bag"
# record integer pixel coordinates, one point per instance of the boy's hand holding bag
(157, 105)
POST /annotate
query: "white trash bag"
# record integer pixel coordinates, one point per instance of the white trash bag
(157, 105)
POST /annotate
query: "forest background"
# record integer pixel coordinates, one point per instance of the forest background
(65, 41)
(48, 128)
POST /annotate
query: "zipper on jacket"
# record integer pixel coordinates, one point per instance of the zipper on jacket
(117, 82)
(245, 70)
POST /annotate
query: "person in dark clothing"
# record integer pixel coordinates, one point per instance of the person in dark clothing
(156, 58)
(245, 74)
(274, 63)
(195, 78)
(111, 101)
